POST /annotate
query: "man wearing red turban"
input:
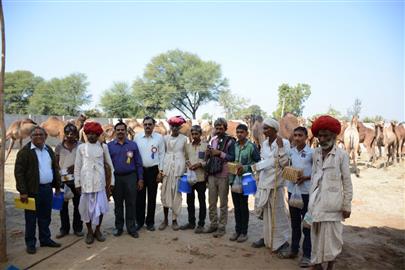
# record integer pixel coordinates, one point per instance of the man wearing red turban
(329, 202)
(93, 127)
(176, 121)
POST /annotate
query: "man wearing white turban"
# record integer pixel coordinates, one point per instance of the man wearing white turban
(271, 198)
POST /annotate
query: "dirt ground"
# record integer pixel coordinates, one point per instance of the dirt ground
(374, 236)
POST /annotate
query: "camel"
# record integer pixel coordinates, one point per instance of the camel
(287, 125)
(257, 132)
(385, 136)
(207, 130)
(352, 142)
(340, 138)
(18, 130)
(400, 133)
(54, 127)
(162, 130)
(367, 137)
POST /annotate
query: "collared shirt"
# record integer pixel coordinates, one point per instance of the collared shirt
(195, 153)
(126, 157)
(44, 164)
(245, 155)
(151, 148)
(301, 160)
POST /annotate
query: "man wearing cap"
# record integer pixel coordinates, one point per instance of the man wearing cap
(330, 194)
(271, 200)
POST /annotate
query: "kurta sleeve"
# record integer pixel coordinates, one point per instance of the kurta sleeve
(283, 154)
(162, 151)
(347, 183)
(78, 167)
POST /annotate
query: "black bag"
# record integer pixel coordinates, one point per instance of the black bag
(215, 164)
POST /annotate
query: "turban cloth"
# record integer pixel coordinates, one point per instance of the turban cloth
(272, 123)
(93, 127)
(325, 122)
(176, 121)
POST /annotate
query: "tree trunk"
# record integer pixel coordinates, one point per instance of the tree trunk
(3, 239)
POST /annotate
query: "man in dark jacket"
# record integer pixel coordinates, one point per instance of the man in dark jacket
(36, 173)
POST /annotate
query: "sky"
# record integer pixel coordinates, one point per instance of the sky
(343, 49)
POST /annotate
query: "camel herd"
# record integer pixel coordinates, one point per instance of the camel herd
(390, 136)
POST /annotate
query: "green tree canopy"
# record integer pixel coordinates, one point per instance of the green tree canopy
(292, 98)
(62, 96)
(232, 104)
(373, 119)
(179, 80)
(251, 110)
(118, 101)
(19, 86)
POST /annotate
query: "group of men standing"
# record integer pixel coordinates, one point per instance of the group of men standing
(132, 170)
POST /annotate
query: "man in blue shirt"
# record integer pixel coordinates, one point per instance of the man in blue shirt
(128, 174)
(301, 158)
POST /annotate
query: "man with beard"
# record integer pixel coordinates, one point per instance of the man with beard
(222, 148)
(330, 194)
(128, 174)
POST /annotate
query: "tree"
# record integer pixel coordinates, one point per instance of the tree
(251, 110)
(355, 109)
(62, 96)
(179, 80)
(3, 235)
(18, 88)
(373, 119)
(207, 116)
(118, 101)
(232, 104)
(93, 113)
(292, 99)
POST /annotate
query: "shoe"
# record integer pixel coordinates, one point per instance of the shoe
(99, 236)
(242, 238)
(305, 262)
(134, 235)
(219, 233)
(199, 229)
(117, 232)
(31, 250)
(162, 226)
(61, 234)
(210, 229)
(150, 228)
(51, 243)
(258, 243)
(138, 227)
(283, 252)
(89, 239)
(78, 234)
(234, 237)
(175, 226)
(187, 226)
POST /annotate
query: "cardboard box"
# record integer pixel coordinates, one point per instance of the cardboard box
(233, 168)
(292, 174)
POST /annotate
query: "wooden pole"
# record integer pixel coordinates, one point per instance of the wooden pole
(274, 201)
(3, 237)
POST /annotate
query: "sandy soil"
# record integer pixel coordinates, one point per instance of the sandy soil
(374, 236)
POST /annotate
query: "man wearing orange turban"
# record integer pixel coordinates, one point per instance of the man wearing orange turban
(329, 202)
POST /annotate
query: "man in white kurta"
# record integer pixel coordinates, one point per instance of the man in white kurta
(330, 194)
(275, 157)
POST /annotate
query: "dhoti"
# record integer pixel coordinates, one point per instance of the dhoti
(327, 241)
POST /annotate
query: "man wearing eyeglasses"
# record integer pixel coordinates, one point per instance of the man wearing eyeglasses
(152, 149)
(36, 172)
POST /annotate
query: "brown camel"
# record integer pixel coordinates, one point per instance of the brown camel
(400, 133)
(352, 142)
(257, 132)
(207, 130)
(287, 125)
(18, 130)
(367, 137)
(54, 127)
(385, 136)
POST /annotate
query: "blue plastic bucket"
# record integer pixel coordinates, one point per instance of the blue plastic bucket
(248, 184)
(184, 186)
(57, 201)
